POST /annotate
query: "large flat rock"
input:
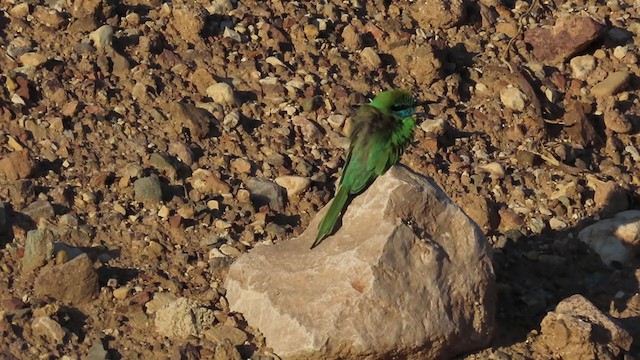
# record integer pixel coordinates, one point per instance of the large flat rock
(408, 274)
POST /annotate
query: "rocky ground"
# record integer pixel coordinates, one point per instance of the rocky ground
(147, 144)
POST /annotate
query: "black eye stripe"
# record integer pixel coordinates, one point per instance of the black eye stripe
(398, 107)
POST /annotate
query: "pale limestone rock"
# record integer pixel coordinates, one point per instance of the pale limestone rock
(615, 239)
(48, 328)
(293, 184)
(222, 93)
(182, 318)
(408, 275)
(513, 98)
(582, 66)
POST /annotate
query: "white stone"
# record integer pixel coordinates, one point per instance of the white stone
(377, 286)
(614, 239)
(293, 184)
(371, 58)
(582, 66)
(620, 52)
(102, 37)
(513, 98)
(222, 93)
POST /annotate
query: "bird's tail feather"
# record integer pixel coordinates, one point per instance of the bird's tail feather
(328, 223)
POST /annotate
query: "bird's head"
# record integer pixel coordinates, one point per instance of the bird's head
(398, 103)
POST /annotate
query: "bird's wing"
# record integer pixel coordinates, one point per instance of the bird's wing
(370, 152)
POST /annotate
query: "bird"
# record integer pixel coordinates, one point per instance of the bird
(381, 130)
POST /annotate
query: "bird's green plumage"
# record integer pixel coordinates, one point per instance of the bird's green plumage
(381, 131)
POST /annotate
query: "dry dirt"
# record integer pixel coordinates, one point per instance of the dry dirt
(114, 137)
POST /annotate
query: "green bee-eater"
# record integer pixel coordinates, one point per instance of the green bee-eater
(381, 131)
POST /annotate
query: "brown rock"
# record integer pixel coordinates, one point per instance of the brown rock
(40, 209)
(616, 121)
(570, 35)
(221, 333)
(440, 14)
(188, 116)
(507, 28)
(189, 21)
(509, 219)
(578, 330)
(241, 166)
(17, 165)
(350, 37)
(478, 209)
(48, 17)
(609, 197)
(611, 85)
(578, 126)
(420, 62)
(74, 282)
(206, 182)
(89, 8)
(374, 279)
(48, 328)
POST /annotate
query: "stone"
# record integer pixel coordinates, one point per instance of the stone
(163, 165)
(350, 37)
(419, 62)
(507, 28)
(578, 126)
(241, 166)
(570, 35)
(88, 8)
(20, 10)
(619, 52)
(377, 286)
(265, 192)
(32, 59)
(226, 351)
(121, 64)
(189, 20)
(371, 58)
(615, 121)
(48, 328)
(182, 152)
(222, 93)
(611, 85)
(221, 333)
(182, 318)
(38, 249)
(97, 352)
(582, 66)
(17, 165)
(308, 128)
(102, 37)
(616, 239)
(193, 118)
(40, 209)
(609, 197)
(48, 17)
(205, 182)
(293, 184)
(74, 282)
(438, 14)
(148, 189)
(576, 329)
(513, 98)
(231, 120)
